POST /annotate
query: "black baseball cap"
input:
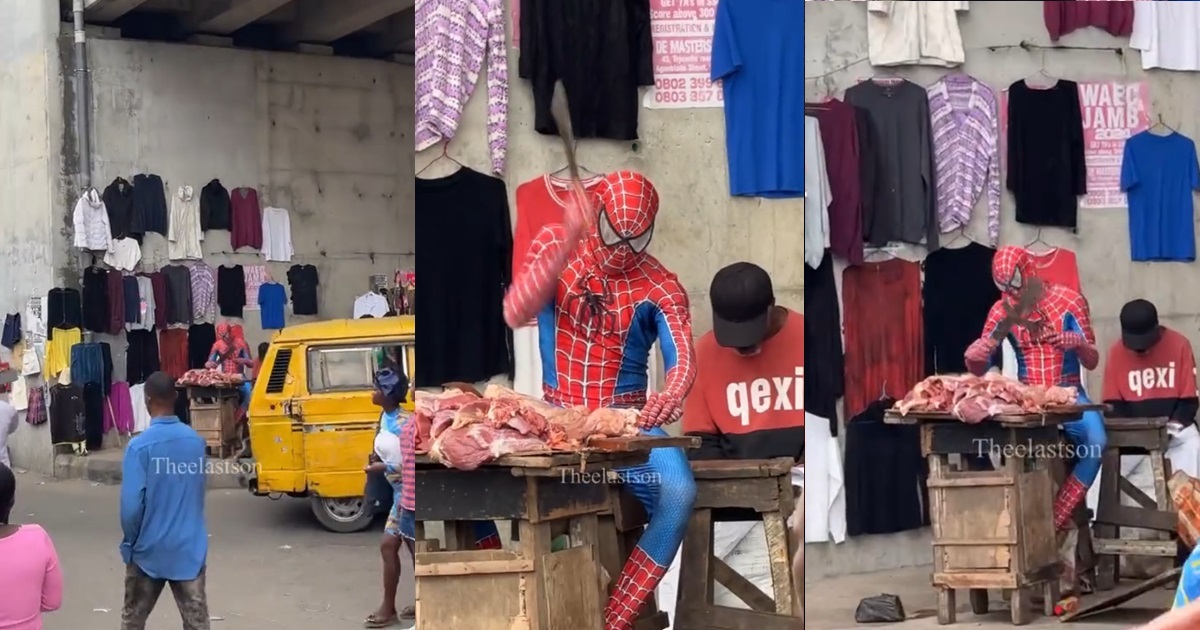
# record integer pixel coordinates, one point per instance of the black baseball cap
(742, 297)
(1139, 325)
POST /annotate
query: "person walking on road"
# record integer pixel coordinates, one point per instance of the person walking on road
(395, 457)
(162, 514)
(30, 577)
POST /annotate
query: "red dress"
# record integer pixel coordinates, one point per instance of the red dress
(1057, 265)
(881, 303)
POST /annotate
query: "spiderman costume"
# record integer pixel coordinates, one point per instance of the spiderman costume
(601, 302)
(1052, 349)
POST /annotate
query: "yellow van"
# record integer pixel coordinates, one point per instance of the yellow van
(312, 423)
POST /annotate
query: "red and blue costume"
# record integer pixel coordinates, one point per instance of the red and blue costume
(1052, 348)
(601, 302)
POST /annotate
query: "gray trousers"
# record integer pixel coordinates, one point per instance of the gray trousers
(142, 593)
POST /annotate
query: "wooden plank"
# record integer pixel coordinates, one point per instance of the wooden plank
(640, 443)
(779, 560)
(1128, 516)
(988, 438)
(1125, 547)
(1100, 602)
(732, 469)
(760, 495)
(484, 567)
(695, 563)
(493, 601)
(483, 494)
(552, 498)
(534, 545)
(741, 587)
(724, 618)
(569, 580)
(1053, 415)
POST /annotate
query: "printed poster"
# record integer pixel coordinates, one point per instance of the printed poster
(682, 31)
(256, 276)
(1113, 111)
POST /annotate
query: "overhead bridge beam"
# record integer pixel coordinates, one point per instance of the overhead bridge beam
(322, 22)
(226, 16)
(109, 10)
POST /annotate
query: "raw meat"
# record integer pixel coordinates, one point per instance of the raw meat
(210, 378)
(464, 430)
(973, 399)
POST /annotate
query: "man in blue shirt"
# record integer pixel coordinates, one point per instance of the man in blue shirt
(162, 514)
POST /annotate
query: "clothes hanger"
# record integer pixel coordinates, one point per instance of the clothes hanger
(1160, 123)
(887, 76)
(883, 391)
(1038, 239)
(880, 254)
(584, 172)
(444, 156)
(1041, 74)
(960, 233)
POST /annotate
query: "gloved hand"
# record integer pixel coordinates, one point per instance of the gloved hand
(661, 408)
(1065, 341)
(981, 350)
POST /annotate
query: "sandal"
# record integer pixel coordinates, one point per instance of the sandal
(408, 612)
(374, 621)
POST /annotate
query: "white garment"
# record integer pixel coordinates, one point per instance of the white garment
(824, 483)
(19, 396)
(817, 194)
(371, 304)
(146, 306)
(31, 364)
(184, 233)
(1165, 32)
(141, 415)
(8, 426)
(387, 447)
(277, 235)
(34, 325)
(125, 254)
(92, 231)
(527, 361)
(914, 33)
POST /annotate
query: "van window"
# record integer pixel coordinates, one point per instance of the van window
(353, 368)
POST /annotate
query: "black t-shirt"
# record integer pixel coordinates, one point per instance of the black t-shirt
(179, 294)
(95, 299)
(67, 424)
(460, 315)
(118, 201)
(303, 280)
(214, 207)
(64, 309)
(231, 290)
(600, 50)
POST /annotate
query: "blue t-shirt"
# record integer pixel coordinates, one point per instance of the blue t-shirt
(1158, 174)
(758, 54)
(272, 297)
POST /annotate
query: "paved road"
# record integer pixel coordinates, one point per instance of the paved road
(270, 564)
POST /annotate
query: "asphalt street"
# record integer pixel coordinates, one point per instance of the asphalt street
(270, 565)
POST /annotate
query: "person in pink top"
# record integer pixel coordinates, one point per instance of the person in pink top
(30, 578)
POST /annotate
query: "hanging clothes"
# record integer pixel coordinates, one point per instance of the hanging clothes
(1165, 33)
(245, 219)
(272, 300)
(93, 416)
(125, 254)
(540, 202)
(141, 355)
(885, 475)
(90, 219)
(214, 207)
(132, 296)
(184, 233)
(1046, 169)
(883, 354)
(839, 137)
(1062, 17)
(118, 409)
(755, 53)
(141, 415)
(824, 483)
(94, 298)
(149, 206)
(179, 294)
(204, 293)
(600, 51)
(173, 351)
(38, 413)
(958, 294)
(147, 307)
(201, 338)
(825, 367)
(231, 290)
(92, 363)
(158, 284)
(451, 41)
(67, 420)
(817, 194)
(12, 333)
(965, 123)
(904, 204)
(870, 165)
(115, 289)
(915, 33)
(277, 235)
(64, 309)
(1158, 174)
(1057, 265)
(304, 282)
(464, 211)
(118, 203)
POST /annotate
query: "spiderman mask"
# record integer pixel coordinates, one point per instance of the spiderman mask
(627, 207)
(1011, 267)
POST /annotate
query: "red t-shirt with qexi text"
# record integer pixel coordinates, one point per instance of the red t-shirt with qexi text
(1159, 383)
(749, 407)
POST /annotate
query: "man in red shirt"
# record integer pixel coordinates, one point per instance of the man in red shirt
(748, 398)
(1151, 371)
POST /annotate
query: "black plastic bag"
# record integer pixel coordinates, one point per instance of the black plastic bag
(880, 609)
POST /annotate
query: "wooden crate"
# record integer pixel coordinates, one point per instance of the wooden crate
(215, 420)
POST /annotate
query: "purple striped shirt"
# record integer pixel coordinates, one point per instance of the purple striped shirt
(452, 38)
(204, 293)
(965, 122)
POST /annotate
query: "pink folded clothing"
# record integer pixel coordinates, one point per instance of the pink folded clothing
(118, 409)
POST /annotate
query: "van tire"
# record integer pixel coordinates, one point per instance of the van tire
(338, 515)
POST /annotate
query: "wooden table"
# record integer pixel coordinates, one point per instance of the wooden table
(993, 529)
(758, 489)
(213, 414)
(545, 495)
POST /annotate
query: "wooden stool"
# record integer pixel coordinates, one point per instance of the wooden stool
(762, 488)
(620, 530)
(1132, 436)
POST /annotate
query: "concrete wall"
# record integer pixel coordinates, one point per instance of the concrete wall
(328, 138)
(835, 58)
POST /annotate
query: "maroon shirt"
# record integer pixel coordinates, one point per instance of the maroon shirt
(839, 134)
(159, 283)
(246, 220)
(115, 285)
(1065, 16)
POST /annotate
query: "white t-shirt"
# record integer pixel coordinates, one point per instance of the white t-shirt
(371, 304)
(277, 235)
(1165, 32)
(125, 254)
